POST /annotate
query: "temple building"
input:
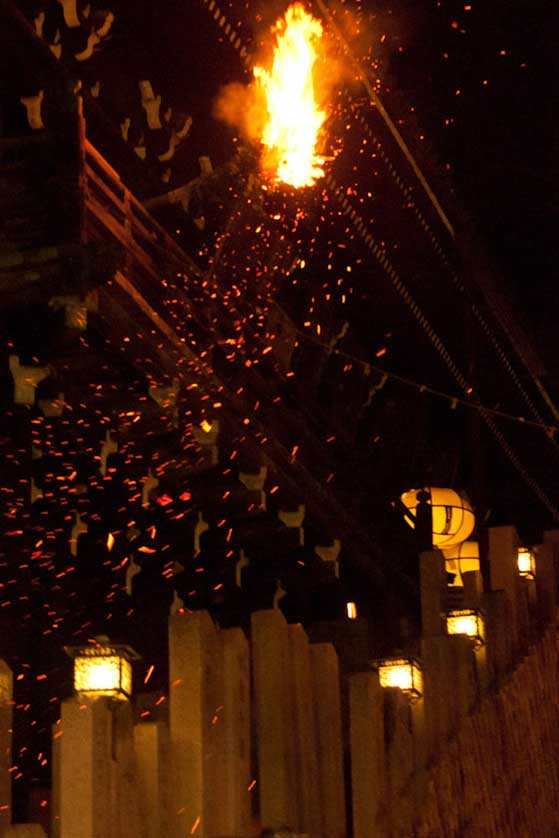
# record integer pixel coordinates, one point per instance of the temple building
(221, 399)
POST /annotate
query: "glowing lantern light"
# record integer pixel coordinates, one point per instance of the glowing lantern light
(526, 563)
(461, 559)
(293, 118)
(351, 609)
(453, 517)
(103, 669)
(468, 622)
(403, 673)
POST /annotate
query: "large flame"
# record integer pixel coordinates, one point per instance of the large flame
(294, 119)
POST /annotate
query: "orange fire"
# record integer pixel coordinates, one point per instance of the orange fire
(293, 118)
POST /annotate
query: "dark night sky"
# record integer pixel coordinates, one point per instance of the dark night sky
(501, 142)
(480, 76)
(498, 139)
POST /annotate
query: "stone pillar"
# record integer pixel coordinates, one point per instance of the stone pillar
(433, 589)
(6, 715)
(328, 716)
(304, 733)
(151, 741)
(232, 727)
(274, 717)
(503, 567)
(473, 588)
(366, 720)
(546, 576)
(399, 761)
(55, 779)
(482, 669)
(498, 645)
(463, 677)
(437, 690)
(25, 830)
(419, 732)
(86, 752)
(194, 667)
(127, 820)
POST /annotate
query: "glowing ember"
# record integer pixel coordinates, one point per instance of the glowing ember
(293, 117)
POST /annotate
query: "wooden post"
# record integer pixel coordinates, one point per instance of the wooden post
(328, 715)
(86, 750)
(368, 766)
(304, 733)
(194, 668)
(6, 715)
(433, 593)
(151, 740)
(274, 716)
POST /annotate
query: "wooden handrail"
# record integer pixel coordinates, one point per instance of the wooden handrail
(103, 164)
(140, 224)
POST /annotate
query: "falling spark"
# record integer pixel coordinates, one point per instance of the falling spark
(294, 119)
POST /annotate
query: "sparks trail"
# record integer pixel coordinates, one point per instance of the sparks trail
(360, 227)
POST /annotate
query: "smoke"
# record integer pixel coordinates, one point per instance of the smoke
(242, 106)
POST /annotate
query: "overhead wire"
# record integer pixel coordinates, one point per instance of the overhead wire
(339, 194)
(387, 375)
(389, 269)
(455, 277)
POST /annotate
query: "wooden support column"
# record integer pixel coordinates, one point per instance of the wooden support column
(368, 766)
(194, 669)
(328, 716)
(86, 751)
(274, 715)
(151, 740)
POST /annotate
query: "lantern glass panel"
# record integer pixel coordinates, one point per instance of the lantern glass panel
(466, 622)
(526, 562)
(102, 675)
(405, 674)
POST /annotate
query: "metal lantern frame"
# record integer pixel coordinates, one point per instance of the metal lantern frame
(526, 563)
(407, 670)
(469, 622)
(121, 654)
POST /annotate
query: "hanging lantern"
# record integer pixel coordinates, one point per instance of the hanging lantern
(103, 669)
(453, 517)
(404, 673)
(526, 563)
(461, 559)
(469, 622)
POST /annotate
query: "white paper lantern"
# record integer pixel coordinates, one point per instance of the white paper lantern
(453, 517)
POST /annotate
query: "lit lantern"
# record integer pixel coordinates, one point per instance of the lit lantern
(103, 669)
(526, 563)
(469, 622)
(403, 673)
(461, 559)
(453, 517)
(351, 609)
